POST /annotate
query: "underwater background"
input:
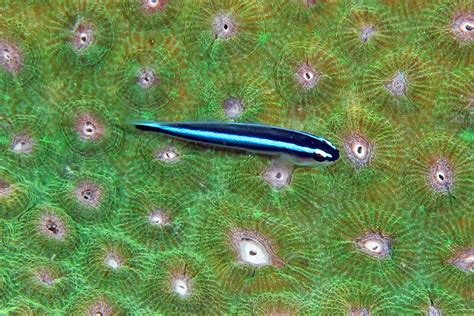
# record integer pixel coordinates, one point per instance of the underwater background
(98, 218)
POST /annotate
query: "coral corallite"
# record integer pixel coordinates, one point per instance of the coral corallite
(100, 218)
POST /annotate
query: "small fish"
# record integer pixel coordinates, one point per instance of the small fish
(300, 148)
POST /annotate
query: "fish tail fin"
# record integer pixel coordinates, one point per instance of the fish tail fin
(147, 126)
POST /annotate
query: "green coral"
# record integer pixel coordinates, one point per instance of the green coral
(19, 67)
(448, 254)
(180, 283)
(349, 297)
(87, 197)
(440, 173)
(45, 281)
(379, 241)
(112, 262)
(225, 29)
(229, 229)
(89, 128)
(99, 218)
(80, 35)
(14, 191)
(155, 217)
(151, 75)
(47, 230)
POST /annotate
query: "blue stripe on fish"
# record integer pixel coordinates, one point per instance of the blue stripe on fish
(300, 147)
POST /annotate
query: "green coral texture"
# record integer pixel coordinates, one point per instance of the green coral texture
(99, 218)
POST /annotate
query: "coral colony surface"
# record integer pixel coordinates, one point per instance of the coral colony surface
(99, 218)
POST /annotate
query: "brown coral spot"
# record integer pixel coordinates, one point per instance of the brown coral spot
(45, 276)
(397, 85)
(224, 26)
(359, 149)
(463, 26)
(307, 77)
(253, 249)
(88, 194)
(158, 217)
(113, 259)
(441, 176)
(82, 36)
(359, 311)
(181, 284)
(10, 57)
(100, 308)
(366, 33)
(464, 260)
(147, 78)
(233, 107)
(52, 226)
(310, 3)
(5, 187)
(88, 127)
(278, 175)
(22, 144)
(375, 244)
(154, 6)
(275, 311)
(168, 155)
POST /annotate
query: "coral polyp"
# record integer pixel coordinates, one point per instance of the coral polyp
(449, 29)
(154, 217)
(90, 301)
(278, 174)
(149, 14)
(88, 128)
(24, 139)
(19, 56)
(80, 35)
(308, 74)
(180, 283)
(226, 29)
(152, 73)
(232, 95)
(45, 281)
(366, 32)
(275, 182)
(440, 173)
(48, 230)
(455, 109)
(11, 58)
(86, 197)
(379, 243)
(170, 160)
(375, 244)
(400, 82)
(252, 250)
(111, 261)
(370, 145)
(450, 254)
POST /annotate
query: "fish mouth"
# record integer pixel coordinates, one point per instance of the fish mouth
(335, 156)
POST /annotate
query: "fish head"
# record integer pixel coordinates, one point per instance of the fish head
(326, 155)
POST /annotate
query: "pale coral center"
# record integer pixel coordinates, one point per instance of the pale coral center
(359, 150)
(180, 287)
(373, 245)
(253, 252)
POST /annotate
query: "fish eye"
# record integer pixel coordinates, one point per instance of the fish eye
(319, 157)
